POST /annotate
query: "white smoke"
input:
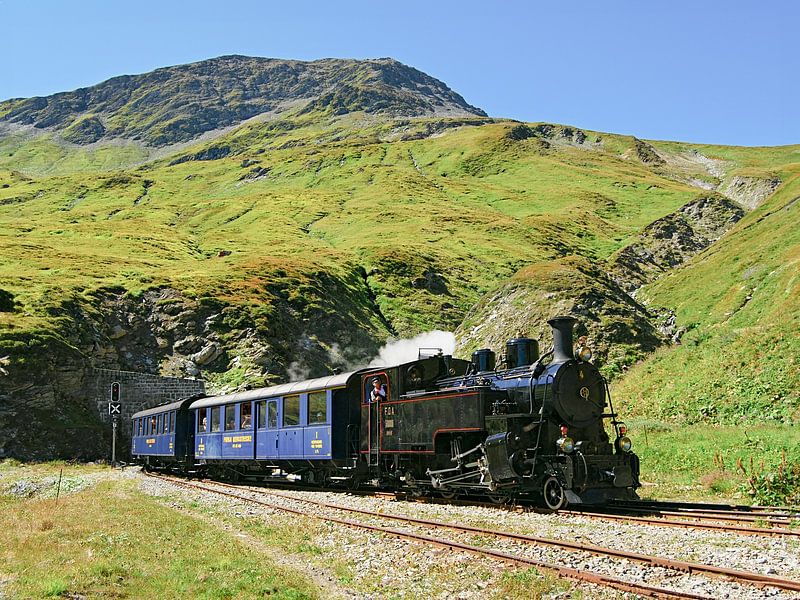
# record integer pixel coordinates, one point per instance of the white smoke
(298, 371)
(396, 352)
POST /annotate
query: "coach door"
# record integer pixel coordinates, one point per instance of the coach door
(375, 391)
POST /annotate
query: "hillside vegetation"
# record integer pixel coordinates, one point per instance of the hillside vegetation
(266, 242)
(738, 302)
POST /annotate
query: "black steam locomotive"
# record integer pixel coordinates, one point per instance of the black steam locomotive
(438, 425)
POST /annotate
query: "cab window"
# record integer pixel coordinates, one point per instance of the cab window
(245, 416)
(262, 414)
(317, 407)
(202, 421)
(291, 411)
(230, 417)
(215, 413)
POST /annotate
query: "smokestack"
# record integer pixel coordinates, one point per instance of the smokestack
(562, 338)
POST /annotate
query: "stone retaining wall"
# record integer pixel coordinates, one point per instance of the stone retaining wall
(137, 391)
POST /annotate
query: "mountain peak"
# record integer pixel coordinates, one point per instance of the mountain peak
(179, 103)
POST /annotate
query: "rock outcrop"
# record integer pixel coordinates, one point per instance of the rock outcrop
(672, 240)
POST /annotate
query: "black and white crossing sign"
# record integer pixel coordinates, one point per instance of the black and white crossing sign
(114, 409)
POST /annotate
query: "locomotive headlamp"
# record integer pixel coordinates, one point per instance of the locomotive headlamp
(624, 444)
(584, 354)
(566, 444)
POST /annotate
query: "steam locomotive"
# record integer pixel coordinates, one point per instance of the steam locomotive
(536, 429)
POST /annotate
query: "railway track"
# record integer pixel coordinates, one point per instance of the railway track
(745, 577)
(783, 511)
(780, 524)
(687, 520)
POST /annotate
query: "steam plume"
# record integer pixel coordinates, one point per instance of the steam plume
(396, 352)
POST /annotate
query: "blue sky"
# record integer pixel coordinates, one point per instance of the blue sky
(702, 71)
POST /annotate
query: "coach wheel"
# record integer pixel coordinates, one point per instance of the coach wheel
(447, 495)
(554, 496)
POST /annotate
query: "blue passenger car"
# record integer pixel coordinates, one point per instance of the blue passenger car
(288, 426)
(163, 436)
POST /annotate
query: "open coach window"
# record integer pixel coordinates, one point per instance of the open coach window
(245, 416)
(215, 418)
(202, 421)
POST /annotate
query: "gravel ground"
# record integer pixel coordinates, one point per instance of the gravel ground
(379, 565)
(48, 487)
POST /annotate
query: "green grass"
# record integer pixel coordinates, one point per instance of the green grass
(129, 545)
(532, 583)
(700, 462)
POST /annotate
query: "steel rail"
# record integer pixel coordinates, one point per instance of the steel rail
(662, 522)
(697, 514)
(756, 579)
(777, 511)
(574, 574)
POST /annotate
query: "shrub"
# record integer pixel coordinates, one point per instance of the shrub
(773, 487)
(6, 301)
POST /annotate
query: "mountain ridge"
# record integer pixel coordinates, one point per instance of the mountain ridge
(179, 103)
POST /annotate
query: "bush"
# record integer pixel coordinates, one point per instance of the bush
(6, 301)
(777, 487)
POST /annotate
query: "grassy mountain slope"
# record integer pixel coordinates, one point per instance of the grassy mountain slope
(433, 222)
(739, 304)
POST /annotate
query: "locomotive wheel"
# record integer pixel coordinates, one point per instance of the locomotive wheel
(498, 498)
(553, 493)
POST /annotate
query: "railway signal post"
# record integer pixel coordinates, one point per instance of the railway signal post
(114, 411)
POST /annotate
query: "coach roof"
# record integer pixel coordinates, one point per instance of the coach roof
(284, 389)
(157, 410)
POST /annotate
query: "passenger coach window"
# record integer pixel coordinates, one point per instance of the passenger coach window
(317, 407)
(172, 422)
(230, 417)
(273, 415)
(215, 418)
(202, 421)
(262, 414)
(245, 418)
(140, 426)
(165, 423)
(291, 411)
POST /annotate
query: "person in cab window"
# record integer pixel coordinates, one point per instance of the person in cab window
(205, 424)
(378, 391)
(245, 422)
